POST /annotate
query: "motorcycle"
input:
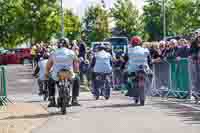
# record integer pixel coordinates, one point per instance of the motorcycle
(102, 85)
(64, 89)
(138, 80)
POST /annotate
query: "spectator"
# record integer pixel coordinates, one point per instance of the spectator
(34, 54)
(195, 56)
(154, 50)
(195, 51)
(82, 49)
(183, 50)
(84, 68)
(75, 47)
(38, 52)
(172, 50)
(155, 54)
(117, 67)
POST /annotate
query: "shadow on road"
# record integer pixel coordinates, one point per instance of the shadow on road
(86, 100)
(189, 115)
(29, 70)
(25, 75)
(117, 106)
(32, 116)
(36, 101)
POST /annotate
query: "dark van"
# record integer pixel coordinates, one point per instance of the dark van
(119, 44)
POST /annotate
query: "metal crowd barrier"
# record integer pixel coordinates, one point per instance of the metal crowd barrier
(3, 93)
(172, 78)
(194, 79)
(161, 78)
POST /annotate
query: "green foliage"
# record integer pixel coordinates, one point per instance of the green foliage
(127, 18)
(9, 33)
(153, 19)
(96, 23)
(182, 17)
(185, 16)
(72, 25)
(40, 20)
(34, 21)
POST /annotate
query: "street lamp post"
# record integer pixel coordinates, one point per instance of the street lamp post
(33, 11)
(164, 20)
(62, 18)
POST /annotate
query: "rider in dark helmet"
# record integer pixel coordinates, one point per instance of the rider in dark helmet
(108, 47)
(46, 56)
(101, 65)
(63, 42)
(63, 57)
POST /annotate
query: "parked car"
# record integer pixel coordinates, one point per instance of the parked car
(16, 56)
(3, 51)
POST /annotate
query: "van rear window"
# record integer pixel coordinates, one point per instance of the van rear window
(118, 41)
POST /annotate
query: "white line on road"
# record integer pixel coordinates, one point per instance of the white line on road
(191, 106)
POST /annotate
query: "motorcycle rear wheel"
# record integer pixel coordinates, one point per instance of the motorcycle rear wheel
(63, 106)
(107, 97)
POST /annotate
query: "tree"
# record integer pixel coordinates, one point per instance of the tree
(186, 13)
(72, 25)
(127, 18)
(96, 23)
(182, 17)
(9, 35)
(153, 19)
(41, 19)
(23, 20)
(34, 21)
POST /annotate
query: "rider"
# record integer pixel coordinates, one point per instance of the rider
(137, 56)
(101, 64)
(40, 69)
(63, 57)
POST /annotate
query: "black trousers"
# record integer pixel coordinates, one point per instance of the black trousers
(75, 87)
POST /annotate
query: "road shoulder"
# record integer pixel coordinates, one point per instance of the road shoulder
(21, 117)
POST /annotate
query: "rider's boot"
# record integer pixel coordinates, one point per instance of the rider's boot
(59, 102)
(75, 101)
(52, 102)
(142, 102)
(136, 100)
(41, 92)
(142, 97)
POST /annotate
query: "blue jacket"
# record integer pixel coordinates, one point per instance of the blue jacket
(102, 62)
(137, 56)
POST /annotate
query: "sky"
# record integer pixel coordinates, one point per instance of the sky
(79, 6)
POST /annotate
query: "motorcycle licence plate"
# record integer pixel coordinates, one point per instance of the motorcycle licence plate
(64, 75)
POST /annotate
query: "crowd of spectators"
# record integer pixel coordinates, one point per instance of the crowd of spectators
(175, 49)
(164, 50)
(38, 50)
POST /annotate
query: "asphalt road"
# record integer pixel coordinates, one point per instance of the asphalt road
(116, 115)
(119, 114)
